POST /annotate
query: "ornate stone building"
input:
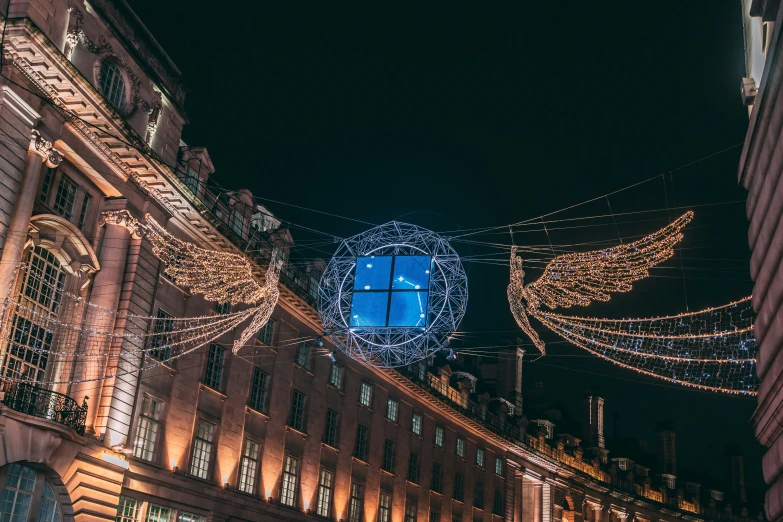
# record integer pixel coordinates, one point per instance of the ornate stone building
(91, 114)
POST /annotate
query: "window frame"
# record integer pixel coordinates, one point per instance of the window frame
(356, 502)
(325, 493)
(362, 443)
(248, 474)
(117, 97)
(258, 391)
(417, 424)
(301, 411)
(148, 421)
(331, 436)
(414, 473)
(290, 479)
(440, 436)
(393, 406)
(206, 457)
(214, 367)
(388, 456)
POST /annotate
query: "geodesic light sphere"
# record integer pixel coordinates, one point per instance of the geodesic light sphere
(393, 295)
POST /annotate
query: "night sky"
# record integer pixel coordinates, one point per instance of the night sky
(454, 118)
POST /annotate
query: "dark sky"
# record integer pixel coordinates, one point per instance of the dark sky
(456, 118)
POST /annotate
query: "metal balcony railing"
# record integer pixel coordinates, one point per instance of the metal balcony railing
(40, 402)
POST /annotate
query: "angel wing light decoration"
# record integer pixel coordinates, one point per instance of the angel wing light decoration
(713, 349)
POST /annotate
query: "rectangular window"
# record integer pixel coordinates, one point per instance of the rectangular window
(202, 449)
(499, 466)
(480, 457)
(248, 467)
(478, 495)
(324, 503)
(184, 516)
(439, 436)
(434, 516)
(459, 487)
(460, 447)
(384, 507)
(213, 377)
(388, 456)
(330, 431)
(222, 308)
(303, 355)
(161, 337)
(391, 291)
(437, 473)
(192, 181)
(147, 428)
(47, 184)
(362, 442)
(258, 390)
(497, 503)
(416, 424)
(127, 510)
(83, 211)
(296, 418)
(410, 510)
(392, 407)
(265, 334)
(290, 481)
(356, 506)
(157, 513)
(66, 194)
(413, 468)
(365, 394)
(336, 376)
(238, 223)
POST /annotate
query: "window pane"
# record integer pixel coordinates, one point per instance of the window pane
(49, 510)
(290, 481)
(17, 494)
(202, 449)
(408, 309)
(372, 273)
(248, 467)
(369, 308)
(411, 272)
(126, 510)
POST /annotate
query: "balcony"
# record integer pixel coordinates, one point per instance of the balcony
(46, 404)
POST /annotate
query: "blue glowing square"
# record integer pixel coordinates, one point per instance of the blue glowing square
(369, 308)
(408, 309)
(411, 272)
(373, 273)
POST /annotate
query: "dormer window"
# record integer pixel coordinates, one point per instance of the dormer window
(669, 481)
(641, 470)
(113, 84)
(717, 495)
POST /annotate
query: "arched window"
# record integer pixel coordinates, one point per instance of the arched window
(113, 84)
(28, 496)
(31, 334)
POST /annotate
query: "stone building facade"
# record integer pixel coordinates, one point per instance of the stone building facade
(91, 115)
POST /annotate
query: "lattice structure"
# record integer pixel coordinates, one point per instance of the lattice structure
(713, 349)
(376, 337)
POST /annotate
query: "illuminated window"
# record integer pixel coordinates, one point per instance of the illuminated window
(362, 443)
(413, 468)
(384, 507)
(213, 376)
(439, 436)
(669, 480)
(365, 394)
(391, 291)
(410, 510)
(258, 390)
(66, 194)
(157, 513)
(296, 418)
(202, 449)
(248, 467)
(330, 431)
(478, 495)
(336, 376)
(147, 428)
(460, 447)
(162, 336)
(480, 457)
(392, 406)
(113, 84)
(437, 474)
(127, 510)
(355, 508)
(388, 456)
(290, 481)
(459, 487)
(184, 516)
(416, 424)
(324, 503)
(499, 466)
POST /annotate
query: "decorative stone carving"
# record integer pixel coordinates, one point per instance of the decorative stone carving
(122, 218)
(45, 149)
(76, 34)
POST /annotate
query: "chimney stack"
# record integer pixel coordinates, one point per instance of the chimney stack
(593, 431)
(736, 472)
(667, 448)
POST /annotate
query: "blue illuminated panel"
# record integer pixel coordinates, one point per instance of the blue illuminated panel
(391, 291)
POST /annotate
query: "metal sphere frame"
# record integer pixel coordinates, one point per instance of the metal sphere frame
(393, 346)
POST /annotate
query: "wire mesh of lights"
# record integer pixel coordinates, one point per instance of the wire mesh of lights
(392, 342)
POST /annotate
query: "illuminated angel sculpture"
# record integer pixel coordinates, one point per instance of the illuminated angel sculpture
(713, 349)
(219, 276)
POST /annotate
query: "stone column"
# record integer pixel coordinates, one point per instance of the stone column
(39, 152)
(105, 295)
(532, 491)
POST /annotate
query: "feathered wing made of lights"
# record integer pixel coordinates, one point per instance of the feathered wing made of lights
(713, 349)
